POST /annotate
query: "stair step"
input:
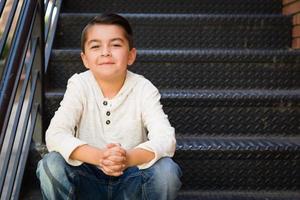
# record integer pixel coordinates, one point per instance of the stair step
(238, 195)
(239, 163)
(197, 69)
(233, 164)
(35, 194)
(222, 113)
(189, 30)
(174, 6)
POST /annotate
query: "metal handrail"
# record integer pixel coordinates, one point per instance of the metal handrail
(2, 4)
(50, 36)
(12, 135)
(16, 161)
(14, 60)
(28, 38)
(8, 24)
(15, 87)
(32, 36)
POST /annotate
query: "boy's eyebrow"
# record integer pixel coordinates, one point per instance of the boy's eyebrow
(112, 40)
(117, 39)
(90, 41)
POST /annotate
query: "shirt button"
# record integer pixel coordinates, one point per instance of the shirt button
(107, 113)
(105, 103)
(107, 122)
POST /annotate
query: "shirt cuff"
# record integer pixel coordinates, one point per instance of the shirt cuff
(67, 150)
(151, 162)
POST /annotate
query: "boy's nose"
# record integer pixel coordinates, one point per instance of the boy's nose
(105, 52)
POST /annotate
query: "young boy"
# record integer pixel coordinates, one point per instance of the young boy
(123, 141)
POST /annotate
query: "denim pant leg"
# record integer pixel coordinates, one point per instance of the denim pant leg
(164, 180)
(60, 180)
(159, 182)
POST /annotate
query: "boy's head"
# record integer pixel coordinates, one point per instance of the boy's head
(108, 19)
(107, 47)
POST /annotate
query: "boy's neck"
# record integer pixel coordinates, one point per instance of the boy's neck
(110, 88)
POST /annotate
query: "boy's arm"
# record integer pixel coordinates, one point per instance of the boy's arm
(161, 134)
(138, 156)
(88, 154)
(60, 136)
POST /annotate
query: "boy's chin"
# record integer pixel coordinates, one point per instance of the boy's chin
(109, 75)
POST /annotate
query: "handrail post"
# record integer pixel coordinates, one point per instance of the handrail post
(39, 63)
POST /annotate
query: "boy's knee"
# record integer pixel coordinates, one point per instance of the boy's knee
(52, 165)
(166, 172)
(163, 179)
(166, 168)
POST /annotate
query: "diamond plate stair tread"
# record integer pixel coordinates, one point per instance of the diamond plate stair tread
(189, 30)
(197, 69)
(174, 6)
(35, 194)
(247, 144)
(222, 113)
(238, 195)
(239, 163)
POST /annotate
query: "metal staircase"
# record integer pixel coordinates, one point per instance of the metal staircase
(230, 85)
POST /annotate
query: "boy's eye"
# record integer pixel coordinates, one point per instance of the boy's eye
(116, 45)
(95, 46)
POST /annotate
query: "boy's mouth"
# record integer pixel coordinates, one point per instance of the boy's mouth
(106, 63)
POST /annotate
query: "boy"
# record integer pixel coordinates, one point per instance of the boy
(123, 141)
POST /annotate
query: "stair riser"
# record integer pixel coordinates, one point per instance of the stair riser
(177, 6)
(239, 171)
(213, 120)
(201, 75)
(190, 32)
(235, 121)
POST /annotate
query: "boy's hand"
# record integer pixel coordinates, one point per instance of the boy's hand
(114, 160)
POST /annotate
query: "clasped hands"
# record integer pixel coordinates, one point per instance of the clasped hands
(114, 160)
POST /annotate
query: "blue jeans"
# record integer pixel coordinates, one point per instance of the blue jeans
(60, 180)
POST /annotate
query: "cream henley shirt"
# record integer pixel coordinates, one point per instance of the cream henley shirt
(134, 118)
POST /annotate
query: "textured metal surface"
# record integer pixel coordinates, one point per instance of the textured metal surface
(238, 195)
(202, 69)
(35, 194)
(190, 30)
(174, 6)
(212, 113)
(239, 163)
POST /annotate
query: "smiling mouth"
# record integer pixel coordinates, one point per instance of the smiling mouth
(106, 63)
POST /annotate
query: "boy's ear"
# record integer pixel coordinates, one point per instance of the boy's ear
(132, 56)
(83, 58)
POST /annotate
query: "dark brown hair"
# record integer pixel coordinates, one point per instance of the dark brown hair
(109, 19)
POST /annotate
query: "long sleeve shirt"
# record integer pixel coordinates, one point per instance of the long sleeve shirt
(133, 118)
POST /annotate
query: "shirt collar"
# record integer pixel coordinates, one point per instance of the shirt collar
(127, 87)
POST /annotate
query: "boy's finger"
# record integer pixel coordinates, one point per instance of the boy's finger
(111, 145)
(119, 159)
(115, 168)
(107, 162)
(117, 151)
(107, 170)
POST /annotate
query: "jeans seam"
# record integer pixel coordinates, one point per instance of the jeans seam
(71, 193)
(144, 192)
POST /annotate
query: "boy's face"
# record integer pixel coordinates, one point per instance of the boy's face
(107, 52)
